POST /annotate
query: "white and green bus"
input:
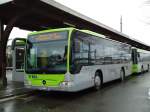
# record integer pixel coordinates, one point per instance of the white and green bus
(69, 59)
(140, 60)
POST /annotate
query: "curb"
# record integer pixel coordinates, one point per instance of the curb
(14, 96)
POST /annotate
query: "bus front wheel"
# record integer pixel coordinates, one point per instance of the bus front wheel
(97, 81)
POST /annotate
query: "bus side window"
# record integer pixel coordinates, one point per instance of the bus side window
(65, 54)
(81, 51)
(77, 46)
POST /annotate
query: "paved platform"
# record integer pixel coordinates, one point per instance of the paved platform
(13, 89)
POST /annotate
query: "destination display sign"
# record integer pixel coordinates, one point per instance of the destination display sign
(48, 36)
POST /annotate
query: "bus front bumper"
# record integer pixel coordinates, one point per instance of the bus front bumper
(64, 86)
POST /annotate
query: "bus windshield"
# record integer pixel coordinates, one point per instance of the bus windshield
(47, 55)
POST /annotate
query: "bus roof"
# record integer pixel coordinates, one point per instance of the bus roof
(51, 30)
(102, 36)
(142, 51)
(93, 33)
(71, 28)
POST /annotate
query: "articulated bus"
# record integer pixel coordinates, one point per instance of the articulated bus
(69, 59)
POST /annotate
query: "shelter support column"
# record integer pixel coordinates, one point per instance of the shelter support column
(2, 53)
(4, 35)
(3, 45)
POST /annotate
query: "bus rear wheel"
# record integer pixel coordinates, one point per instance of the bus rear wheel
(97, 81)
(142, 69)
(122, 74)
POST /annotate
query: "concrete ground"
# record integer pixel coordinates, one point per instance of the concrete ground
(9, 75)
(13, 88)
(129, 96)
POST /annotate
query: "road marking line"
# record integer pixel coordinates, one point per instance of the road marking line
(13, 97)
(11, 89)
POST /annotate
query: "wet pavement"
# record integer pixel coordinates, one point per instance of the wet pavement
(129, 96)
(9, 75)
(12, 88)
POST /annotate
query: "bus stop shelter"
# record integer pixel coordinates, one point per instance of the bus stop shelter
(35, 15)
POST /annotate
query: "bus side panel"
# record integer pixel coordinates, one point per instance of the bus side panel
(112, 71)
(144, 64)
(85, 78)
(135, 68)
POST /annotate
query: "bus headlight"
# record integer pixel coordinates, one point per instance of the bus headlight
(66, 84)
(27, 82)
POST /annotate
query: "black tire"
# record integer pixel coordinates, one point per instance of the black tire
(148, 68)
(98, 81)
(142, 69)
(122, 75)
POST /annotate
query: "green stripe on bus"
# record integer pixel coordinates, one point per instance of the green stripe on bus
(51, 79)
(135, 68)
(69, 53)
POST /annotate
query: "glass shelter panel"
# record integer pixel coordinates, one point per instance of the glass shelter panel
(19, 57)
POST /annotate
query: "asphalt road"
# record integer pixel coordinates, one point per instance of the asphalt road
(129, 96)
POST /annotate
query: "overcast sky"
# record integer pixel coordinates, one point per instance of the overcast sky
(135, 14)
